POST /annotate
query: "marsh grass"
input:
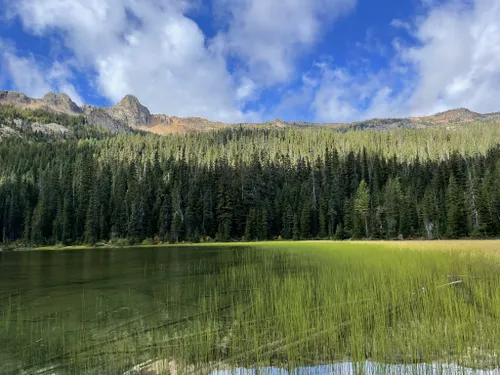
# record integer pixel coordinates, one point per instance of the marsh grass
(279, 304)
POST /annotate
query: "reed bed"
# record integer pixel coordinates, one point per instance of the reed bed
(276, 304)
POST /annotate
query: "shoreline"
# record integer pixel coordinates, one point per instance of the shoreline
(489, 245)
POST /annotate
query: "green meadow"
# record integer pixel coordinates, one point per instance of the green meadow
(283, 304)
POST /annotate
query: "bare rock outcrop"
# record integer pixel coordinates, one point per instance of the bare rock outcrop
(130, 115)
(51, 128)
(100, 117)
(61, 102)
(14, 98)
(131, 112)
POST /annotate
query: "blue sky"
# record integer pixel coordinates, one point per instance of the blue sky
(256, 60)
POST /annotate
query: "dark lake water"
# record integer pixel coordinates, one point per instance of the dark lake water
(56, 304)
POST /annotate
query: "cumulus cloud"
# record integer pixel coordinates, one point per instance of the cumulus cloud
(458, 62)
(147, 48)
(29, 77)
(399, 24)
(25, 75)
(268, 35)
(448, 56)
(342, 96)
(152, 49)
(455, 62)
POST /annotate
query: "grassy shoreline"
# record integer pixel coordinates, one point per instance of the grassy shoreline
(488, 245)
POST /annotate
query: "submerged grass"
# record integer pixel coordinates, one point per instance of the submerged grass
(282, 304)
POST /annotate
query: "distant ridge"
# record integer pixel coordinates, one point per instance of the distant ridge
(453, 115)
(129, 114)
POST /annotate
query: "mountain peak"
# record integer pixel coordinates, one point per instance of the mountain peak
(13, 98)
(129, 100)
(455, 115)
(131, 112)
(54, 97)
(461, 110)
(62, 102)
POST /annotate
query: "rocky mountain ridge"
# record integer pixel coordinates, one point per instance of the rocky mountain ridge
(130, 114)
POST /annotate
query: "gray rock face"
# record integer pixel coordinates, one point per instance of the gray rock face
(21, 124)
(127, 114)
(100, 117)
(87, 108)
(130, 112)
(62, 102)
(15, 127)
(161, 119)
(14, 97)
(8, 132)
(51, 128)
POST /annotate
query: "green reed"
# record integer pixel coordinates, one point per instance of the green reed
(282, 304)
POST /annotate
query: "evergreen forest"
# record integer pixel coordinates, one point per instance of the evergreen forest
(93, 186)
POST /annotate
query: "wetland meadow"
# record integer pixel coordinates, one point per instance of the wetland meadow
(274, 307)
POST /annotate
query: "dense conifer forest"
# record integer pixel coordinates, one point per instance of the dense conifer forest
(248, 184)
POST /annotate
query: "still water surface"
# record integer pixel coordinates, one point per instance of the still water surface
(57, 303)
(104, 311)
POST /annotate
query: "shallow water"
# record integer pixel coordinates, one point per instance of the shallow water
(367, 368)
(104, 311)
(90, 296)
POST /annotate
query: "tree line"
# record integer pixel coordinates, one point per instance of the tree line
(85, 192)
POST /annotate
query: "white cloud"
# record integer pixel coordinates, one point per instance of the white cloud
(268, 35)
(455, 63)
(153, 50)
(341, 96)
(458, 63)
(399, 24)
(30, 78)
(59, 76)
(25, 75)
(372, 44)
(147, 48)
(246, 89)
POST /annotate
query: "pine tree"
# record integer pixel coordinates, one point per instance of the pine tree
(361, 207)
(429, 214)
(224, 212)
(176, 227)
(165, 218)
(263, 224)
(409, 215)
(296, 229)
(253, 183)
(287, 221)
(339, 233)
(67, 220)
(305, 221)
(455, 209)
(250, 227)
(392, 207)
(92, 221)
(323, 223)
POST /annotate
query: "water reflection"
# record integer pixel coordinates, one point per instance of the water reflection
(368, 368)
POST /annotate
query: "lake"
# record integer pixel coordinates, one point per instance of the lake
(298, 307)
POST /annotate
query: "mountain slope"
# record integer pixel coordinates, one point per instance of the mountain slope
(129, 115)
(59, 103)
